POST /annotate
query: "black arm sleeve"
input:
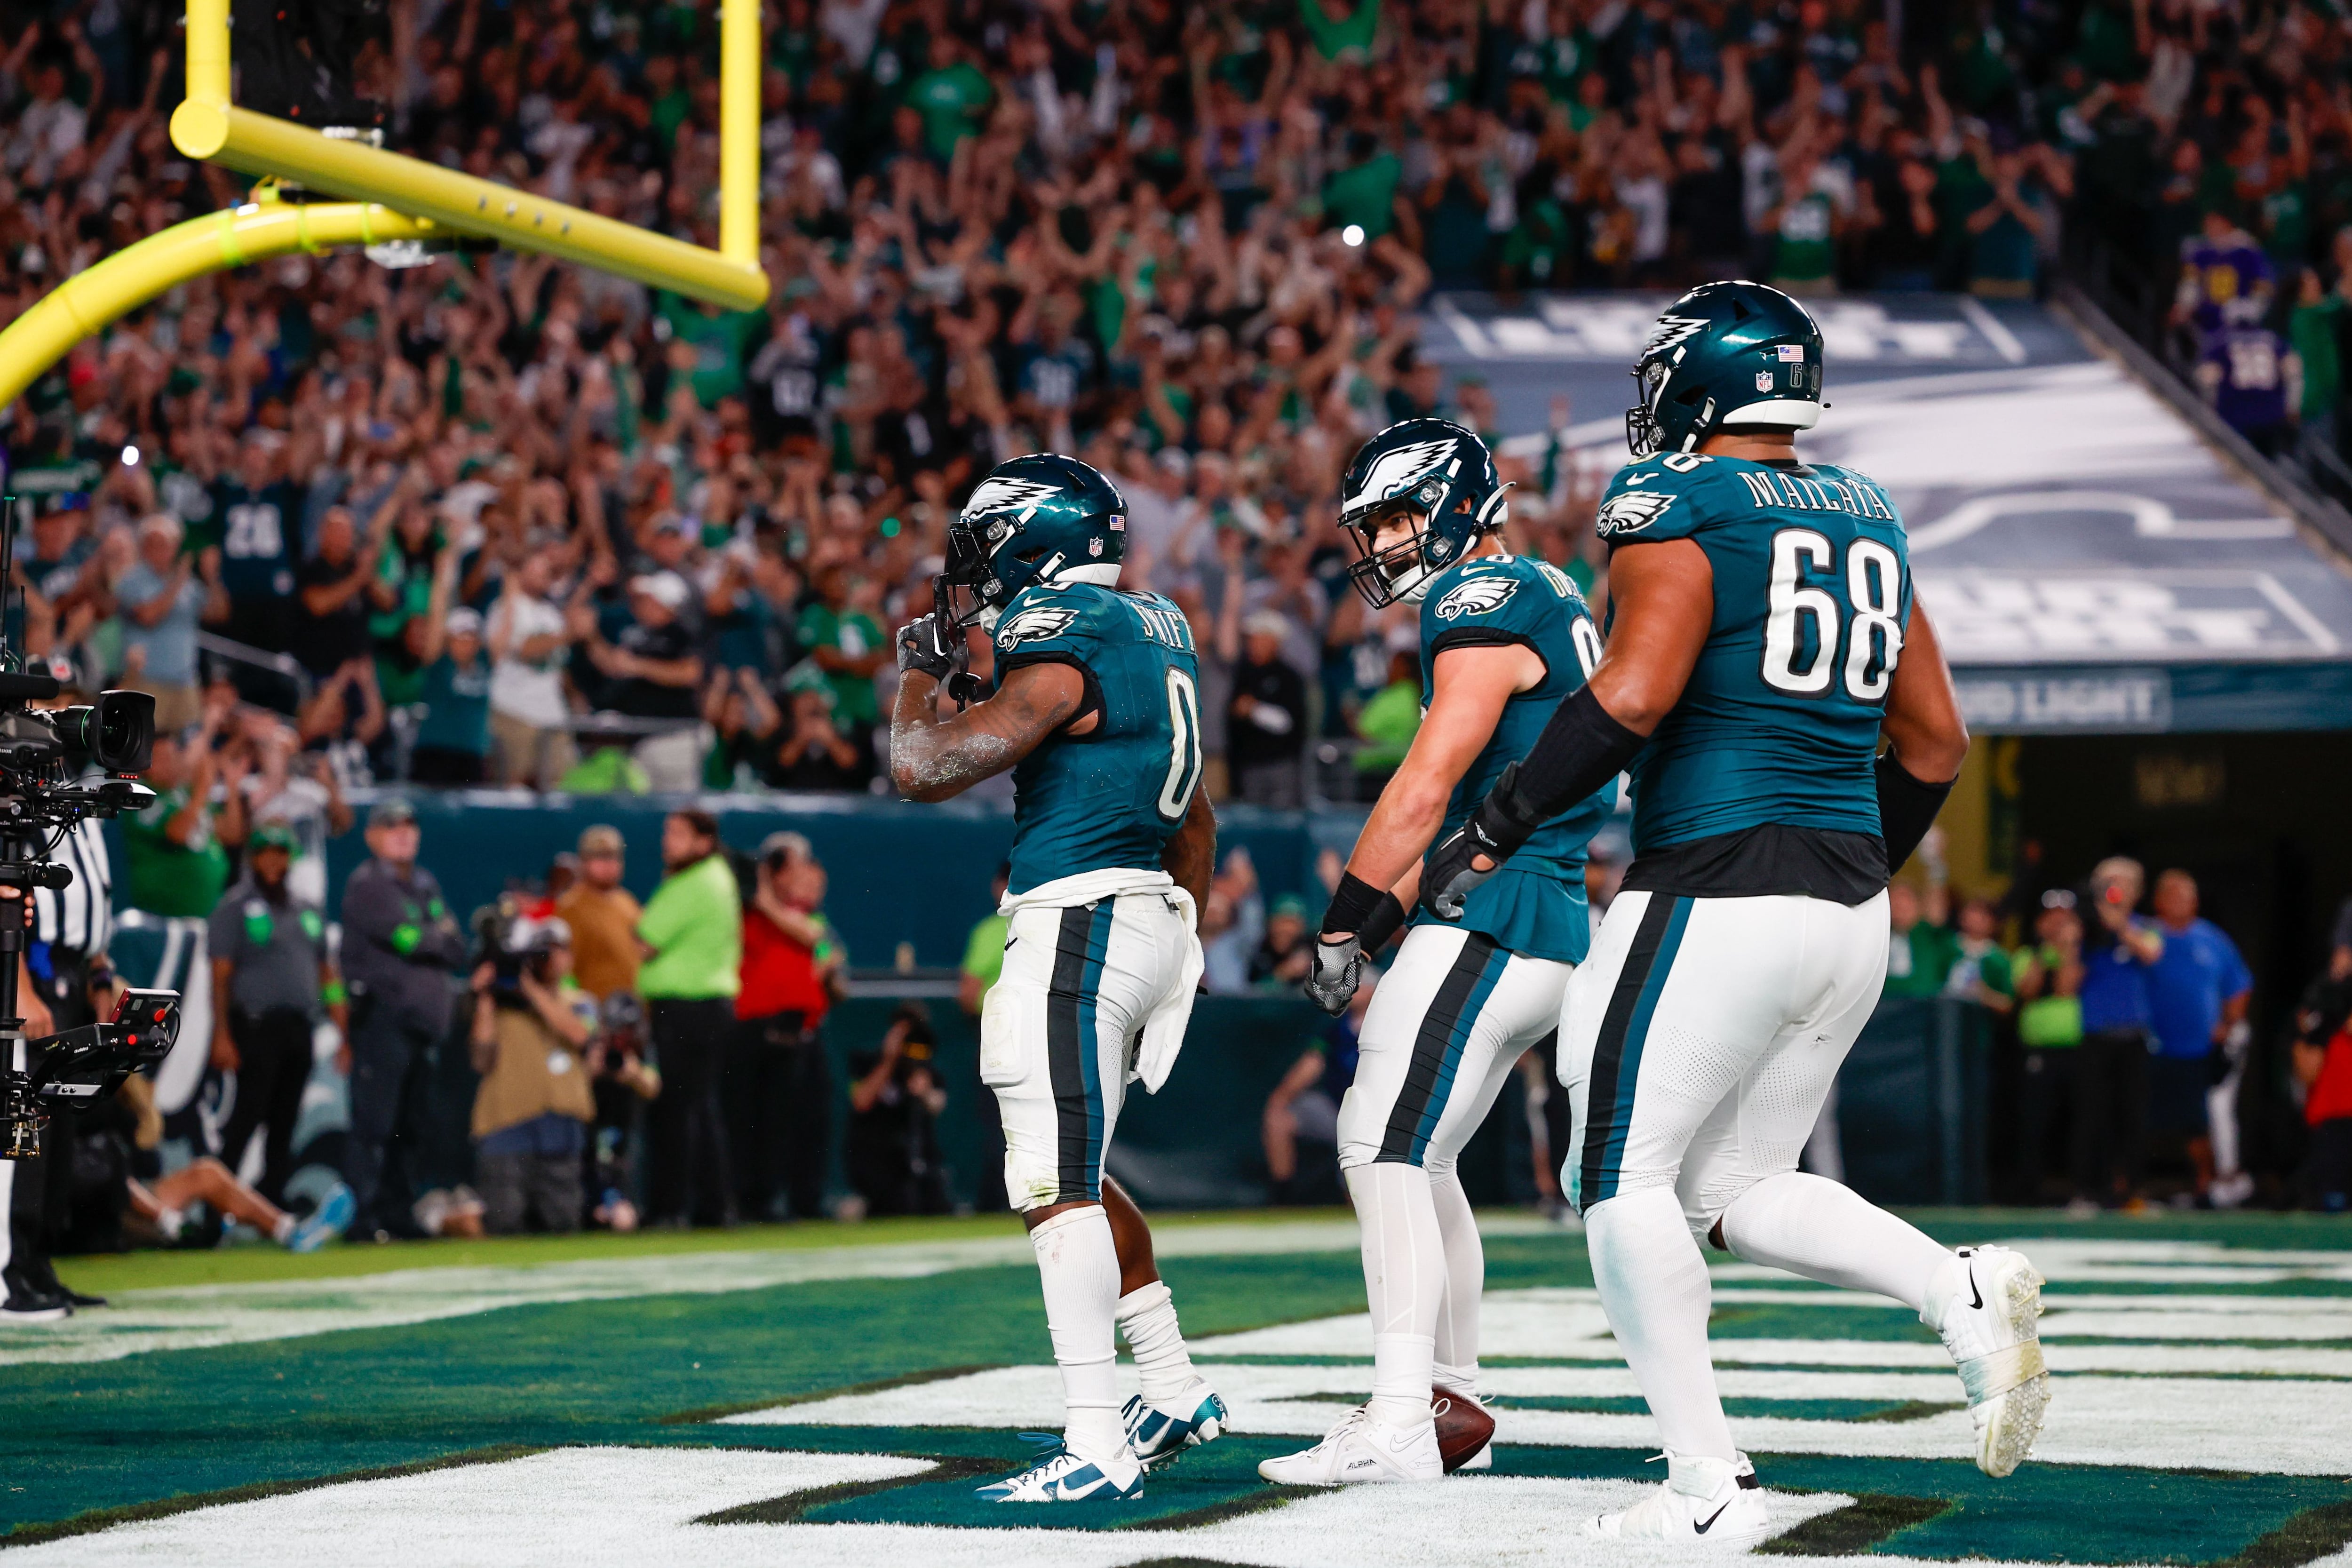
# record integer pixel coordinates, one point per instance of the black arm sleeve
(1907, 809)
(1386, 920)
(1580, 750)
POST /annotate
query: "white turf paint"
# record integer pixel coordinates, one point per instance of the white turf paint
(2273, 1425)
(141, 1321)
(635, 1507)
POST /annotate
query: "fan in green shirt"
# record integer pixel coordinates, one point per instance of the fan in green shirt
(1919, 954)
(176, 864)
(1391, 719)
(951, 98)
(723, 342)
(1365, 195)
(1342, 32)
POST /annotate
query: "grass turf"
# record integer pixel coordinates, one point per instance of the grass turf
(80, 1441)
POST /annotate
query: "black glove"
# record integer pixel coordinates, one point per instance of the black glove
(921, 647)
(1338, 967)
(1494, 833)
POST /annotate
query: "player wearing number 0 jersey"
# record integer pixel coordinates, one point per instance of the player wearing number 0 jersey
(1093, 704)
(1763, 641)
(1504, 639)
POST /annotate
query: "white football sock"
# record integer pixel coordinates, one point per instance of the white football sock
(1146, 1316)
(1465, 1278)
(7, 1192)
(1404, 1280)
(1078, 1264)
(1815, 1227)
(1653, 1285)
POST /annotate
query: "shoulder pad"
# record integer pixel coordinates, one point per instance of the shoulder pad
(1470, 590)
(1039, 615)
(1646, 497)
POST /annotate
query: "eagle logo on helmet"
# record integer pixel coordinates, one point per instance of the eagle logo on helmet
(1630, 511)
(1033, 624)
(1477, 596)
(1396, 472)
(1007, 495)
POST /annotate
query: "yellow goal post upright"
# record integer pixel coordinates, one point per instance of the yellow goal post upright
(392, 197)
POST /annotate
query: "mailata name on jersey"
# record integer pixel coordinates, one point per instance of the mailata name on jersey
(1779, 722)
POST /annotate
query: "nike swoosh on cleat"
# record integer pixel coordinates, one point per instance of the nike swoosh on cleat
(1708, 1523)
(1978, 1302)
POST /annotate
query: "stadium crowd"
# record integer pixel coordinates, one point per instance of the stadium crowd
(495, 517)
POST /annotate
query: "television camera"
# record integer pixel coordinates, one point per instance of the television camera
(58, 767)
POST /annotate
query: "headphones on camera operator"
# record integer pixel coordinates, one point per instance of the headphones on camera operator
(44, 756)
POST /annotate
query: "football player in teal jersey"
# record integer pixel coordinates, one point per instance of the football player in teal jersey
(1763, 640)
(1093, 704)
(1504, 639)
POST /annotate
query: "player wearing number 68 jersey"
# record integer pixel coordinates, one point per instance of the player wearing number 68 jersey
(1093, 706)
(1763, 641)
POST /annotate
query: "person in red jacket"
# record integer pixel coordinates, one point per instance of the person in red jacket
(779, 1086)
(2323, 1064)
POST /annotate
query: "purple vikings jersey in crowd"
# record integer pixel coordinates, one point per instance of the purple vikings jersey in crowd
(2216, 273)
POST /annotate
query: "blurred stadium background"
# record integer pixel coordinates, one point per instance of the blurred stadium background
(543, 548)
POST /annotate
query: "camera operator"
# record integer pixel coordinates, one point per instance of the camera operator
(70, 927)
(533, 1029)
(29, 1289)
(624, 1075)
(893, 1152)
(271, 977)
(401, 948)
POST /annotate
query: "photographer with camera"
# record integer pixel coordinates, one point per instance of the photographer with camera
(401, 950)
(893, 1152)
(622, 1072)
(271, 979)
(532, 1036)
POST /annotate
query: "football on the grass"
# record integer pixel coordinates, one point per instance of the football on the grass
(1463, 1428)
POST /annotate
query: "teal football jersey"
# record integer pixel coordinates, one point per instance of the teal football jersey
(1813, 590)
(1535, 904)
(1111, 797)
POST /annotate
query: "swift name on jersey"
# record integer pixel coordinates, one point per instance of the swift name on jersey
(1114, 795)
(1535, 905)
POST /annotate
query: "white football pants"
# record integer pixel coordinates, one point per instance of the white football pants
(1700, 1038)
(1451, 1017)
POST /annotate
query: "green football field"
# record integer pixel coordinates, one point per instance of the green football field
(822, 1395)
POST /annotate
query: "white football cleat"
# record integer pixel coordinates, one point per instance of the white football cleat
(1157, 1433)
(1060, 1475)
(1712, 1502)
(1362, 1449)
(1988, 1313)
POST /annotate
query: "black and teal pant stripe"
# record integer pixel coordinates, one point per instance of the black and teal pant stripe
(1072, 1054)
(1438, 1049)
(1617, 1054)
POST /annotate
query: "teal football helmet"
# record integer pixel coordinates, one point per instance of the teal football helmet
(1434, 472)
(1725, 356)
(1043, 519)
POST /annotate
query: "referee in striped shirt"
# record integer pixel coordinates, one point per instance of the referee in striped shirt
(70, 929)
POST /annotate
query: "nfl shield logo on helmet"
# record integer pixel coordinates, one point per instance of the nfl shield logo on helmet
(1763, 381)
